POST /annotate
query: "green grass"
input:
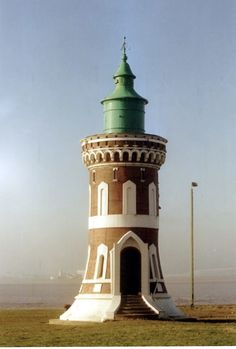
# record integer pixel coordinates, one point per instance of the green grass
(30, 328)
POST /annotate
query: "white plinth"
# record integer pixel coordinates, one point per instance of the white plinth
(92, 308)
(100, 308)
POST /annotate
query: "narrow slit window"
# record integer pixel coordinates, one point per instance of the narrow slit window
(115, 174)
(142, 174)
(94, 177)
(102, 203)
(152, 193)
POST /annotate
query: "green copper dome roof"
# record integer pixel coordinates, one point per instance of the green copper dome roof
(124, 107)
(124, 68)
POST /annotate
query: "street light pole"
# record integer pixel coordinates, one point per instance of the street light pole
(194, 184)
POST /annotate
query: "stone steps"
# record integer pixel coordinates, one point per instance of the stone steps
(133, 307)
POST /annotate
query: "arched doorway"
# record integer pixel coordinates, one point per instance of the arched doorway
(130, 271)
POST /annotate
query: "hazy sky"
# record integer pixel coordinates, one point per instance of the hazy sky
(56, 64)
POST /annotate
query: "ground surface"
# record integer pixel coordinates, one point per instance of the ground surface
(30, 327)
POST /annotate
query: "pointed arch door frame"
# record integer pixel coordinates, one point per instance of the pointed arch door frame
(130, 240)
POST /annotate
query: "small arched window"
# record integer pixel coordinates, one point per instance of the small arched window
(154, 264)
(101, 262)
(155, 275)
(134, 156)
(152, 199)
(129, 198)
(102, 199)
(98, 157)
(142, 158)
(100, 266)
(116, 157)
(107, 156)
(125, 156)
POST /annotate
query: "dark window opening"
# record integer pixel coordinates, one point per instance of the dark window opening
(115, 173)
(94, 176)
(142, 174)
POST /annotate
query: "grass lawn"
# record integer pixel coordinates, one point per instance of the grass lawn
(29, 327)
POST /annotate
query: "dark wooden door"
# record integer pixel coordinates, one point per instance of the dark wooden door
(130, 271)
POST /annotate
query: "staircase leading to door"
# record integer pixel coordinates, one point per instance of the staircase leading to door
(133, 307)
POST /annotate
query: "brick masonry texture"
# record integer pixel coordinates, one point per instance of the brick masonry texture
(124, 173)
(138, 169)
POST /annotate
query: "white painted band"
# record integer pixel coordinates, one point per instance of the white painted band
(120, 221)
(149, 139)
(125, 164)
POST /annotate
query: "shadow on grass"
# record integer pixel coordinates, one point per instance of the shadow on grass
(216, 321)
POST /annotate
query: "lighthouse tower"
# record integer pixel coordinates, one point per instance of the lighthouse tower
(123, 276)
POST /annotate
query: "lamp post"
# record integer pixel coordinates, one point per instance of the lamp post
(194, 184)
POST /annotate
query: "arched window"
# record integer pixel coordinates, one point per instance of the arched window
(134, 156)
(101, 262)
(98, 157)
(92, 158)
(107, 157)
(102, 199)
(151, 157)
(116, 157)
(100, 266)
(154, 263)
(142, 158)
(129, 198)
(152, 199)
(125, 156)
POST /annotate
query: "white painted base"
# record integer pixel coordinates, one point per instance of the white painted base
(92, 308)
(101, 308)
(166, 306)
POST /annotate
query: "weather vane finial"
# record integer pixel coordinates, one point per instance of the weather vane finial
(123, 48)
(124, 45)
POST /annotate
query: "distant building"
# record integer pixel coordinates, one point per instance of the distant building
(123, 276)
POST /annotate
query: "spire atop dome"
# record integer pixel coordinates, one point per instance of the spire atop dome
(124, 107)
(124, 48)
(124, 68)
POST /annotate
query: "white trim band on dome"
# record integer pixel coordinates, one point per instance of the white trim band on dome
(120, 221)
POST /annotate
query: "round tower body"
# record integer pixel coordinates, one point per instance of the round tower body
(123, 211)
(123, 275)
